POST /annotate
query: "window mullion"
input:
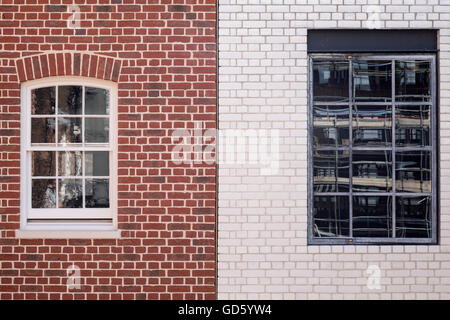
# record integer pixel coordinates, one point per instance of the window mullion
(57, 177)
(83, 129)
(56, 115)
(350, 141)
(434, 141)
(83, 152)
(56, 148)
(393, 149)
(83, 178)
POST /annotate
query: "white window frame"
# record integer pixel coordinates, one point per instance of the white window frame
(89, 220)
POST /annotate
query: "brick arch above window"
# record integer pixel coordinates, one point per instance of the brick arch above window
(68, 64)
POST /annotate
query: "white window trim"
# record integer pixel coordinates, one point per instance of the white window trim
(59, 228)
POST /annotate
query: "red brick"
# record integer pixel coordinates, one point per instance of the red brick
(77, 64)
(68, 64)
(20, 70)
(52, 64)
(93, 66)
(163, 58)
(44, 65)
(85, 65)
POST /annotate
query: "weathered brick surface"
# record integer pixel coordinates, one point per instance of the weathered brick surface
(162, 55)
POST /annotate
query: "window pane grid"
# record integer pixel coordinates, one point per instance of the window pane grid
(71, 182)
(392, 166)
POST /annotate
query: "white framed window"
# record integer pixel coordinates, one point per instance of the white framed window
(68, 154)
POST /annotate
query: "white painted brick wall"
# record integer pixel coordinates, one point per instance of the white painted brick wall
(263, 219)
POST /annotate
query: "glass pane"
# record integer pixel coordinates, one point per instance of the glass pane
(96, 101)
(372, 125)
(331, 216)
(70, 193)
(43, 193)
(413, 171)
(331, 80)
(69, 130)
(44, 163)
(372, 216)
(331, 170)
(70, 163)
(372, 171)
(412, 126)
(413, 217)
(97, 130)
(97, 163)
(412, 80)
(331, 126)
(97, 193)
(43, 100)
(372, 80)
(69, 100)
(43, 130)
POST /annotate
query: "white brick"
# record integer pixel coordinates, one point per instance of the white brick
(263, 219)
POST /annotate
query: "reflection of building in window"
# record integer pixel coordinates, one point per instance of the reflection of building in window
(413, 80)
(372, 149)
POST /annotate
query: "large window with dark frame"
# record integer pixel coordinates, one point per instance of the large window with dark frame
(372, 149)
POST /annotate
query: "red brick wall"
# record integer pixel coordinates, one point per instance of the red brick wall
(162, 54)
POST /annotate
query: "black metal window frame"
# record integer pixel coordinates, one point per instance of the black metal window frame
(433, 148)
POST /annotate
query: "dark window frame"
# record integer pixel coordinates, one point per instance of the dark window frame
(433, 149)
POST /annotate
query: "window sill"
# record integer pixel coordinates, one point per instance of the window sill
(67, 234)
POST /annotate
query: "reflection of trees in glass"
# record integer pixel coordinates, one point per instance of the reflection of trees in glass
(53, 172)
(97, 130)
(70, 163)
(70, 193)
(97, 193)
(97, 163)
(96, 101)
(69, 100)
(43, 101)
(69, 130)
(43, 193)
(44, 163)
(43, 130)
